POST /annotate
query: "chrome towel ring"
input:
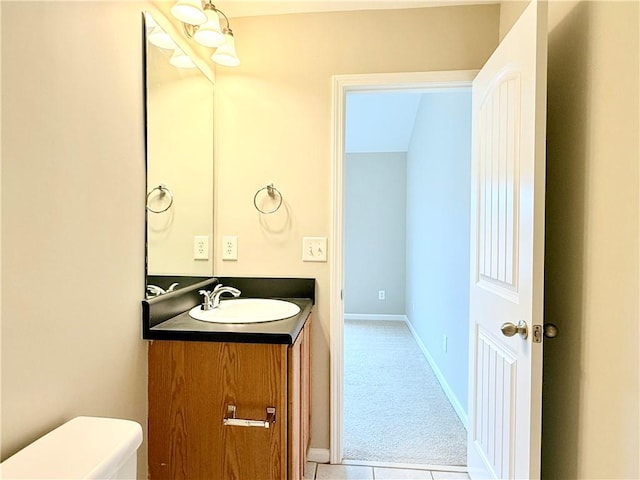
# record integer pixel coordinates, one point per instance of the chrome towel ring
(163, 190)
(273, 193)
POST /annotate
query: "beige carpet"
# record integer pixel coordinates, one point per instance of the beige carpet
(394, 407)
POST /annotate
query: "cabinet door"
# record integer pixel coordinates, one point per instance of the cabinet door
(296, 465)
(299, 403)
(306, 390)
(191, 385)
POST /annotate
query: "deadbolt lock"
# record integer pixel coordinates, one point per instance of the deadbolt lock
(549, 331)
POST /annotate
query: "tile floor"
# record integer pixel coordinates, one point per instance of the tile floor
(320, 471)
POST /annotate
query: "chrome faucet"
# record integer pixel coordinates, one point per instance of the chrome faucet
(154, 290)
(219, 290)
(211, 300)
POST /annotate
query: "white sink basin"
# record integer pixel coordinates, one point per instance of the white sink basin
(247, 310)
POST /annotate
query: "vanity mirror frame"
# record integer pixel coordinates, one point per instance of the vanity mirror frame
(178, 116)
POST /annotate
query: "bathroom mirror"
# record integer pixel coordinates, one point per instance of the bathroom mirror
(179, 150)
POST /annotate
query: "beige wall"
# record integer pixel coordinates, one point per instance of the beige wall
(510, 11)
(73, 216)
(591, 399)
(273, 124)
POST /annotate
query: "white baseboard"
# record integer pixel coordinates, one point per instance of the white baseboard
(318, 455)
(455, 403)
(375, 316)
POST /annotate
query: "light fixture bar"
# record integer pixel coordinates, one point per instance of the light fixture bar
(201, 22)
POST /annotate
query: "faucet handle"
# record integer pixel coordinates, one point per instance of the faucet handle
(206, 301)
(154, 290)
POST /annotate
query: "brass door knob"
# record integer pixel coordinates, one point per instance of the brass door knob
(509, 329)
(550, 330)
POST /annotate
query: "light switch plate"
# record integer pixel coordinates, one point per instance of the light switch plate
(314, 249)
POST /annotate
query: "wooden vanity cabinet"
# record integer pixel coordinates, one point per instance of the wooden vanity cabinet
(191, 385)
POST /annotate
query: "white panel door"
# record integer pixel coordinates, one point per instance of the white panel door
(507, 253)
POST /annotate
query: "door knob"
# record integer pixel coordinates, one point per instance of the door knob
(550, 330)
(509, 329)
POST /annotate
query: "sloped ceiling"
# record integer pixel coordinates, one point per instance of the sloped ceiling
(241, 8)
(380, 122)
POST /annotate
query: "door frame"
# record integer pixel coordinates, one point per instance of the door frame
(341, 85)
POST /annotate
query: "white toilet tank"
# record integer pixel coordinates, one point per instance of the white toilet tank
(85, 447)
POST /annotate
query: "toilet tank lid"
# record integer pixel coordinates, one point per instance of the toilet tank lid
(85, 447)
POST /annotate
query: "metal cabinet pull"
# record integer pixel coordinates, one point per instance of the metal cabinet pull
(230, 418)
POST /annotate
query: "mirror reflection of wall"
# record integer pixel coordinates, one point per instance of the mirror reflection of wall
(180, 158)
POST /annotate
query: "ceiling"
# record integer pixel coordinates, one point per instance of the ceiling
(250, 8)
(380, 122)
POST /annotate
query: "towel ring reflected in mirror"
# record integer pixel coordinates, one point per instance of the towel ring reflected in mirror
(273, 193)
(162, 191)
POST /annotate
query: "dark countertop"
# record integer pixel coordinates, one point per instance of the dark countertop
(183, 327)
(167, 317)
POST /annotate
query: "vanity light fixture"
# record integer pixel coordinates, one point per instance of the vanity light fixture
(157, 36)
(209, 33)
(189, 11)
(226, 54)
(161, 39)
(180, 59)
(201, 21)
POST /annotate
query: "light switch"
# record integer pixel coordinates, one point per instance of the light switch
(314, 249)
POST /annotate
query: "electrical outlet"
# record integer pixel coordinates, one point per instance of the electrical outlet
(314, 249)
(201, 247)
(230, 248)
(382, 294)
(444, 343)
